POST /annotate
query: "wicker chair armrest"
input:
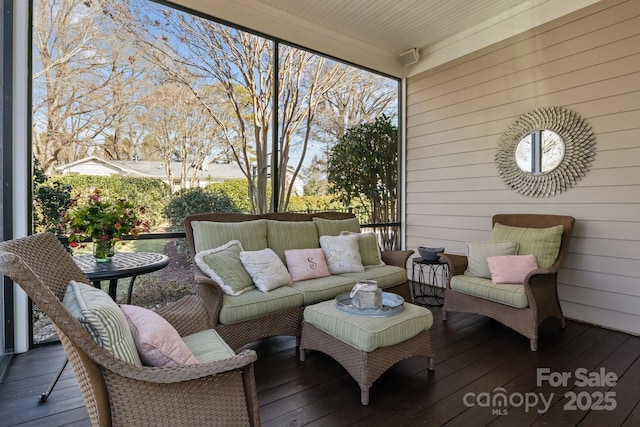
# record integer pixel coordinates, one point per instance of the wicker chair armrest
(187, 315)
(457, 263)
(211, 295)
(183, 373)
(397, 258)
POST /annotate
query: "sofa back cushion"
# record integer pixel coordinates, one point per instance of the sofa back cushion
(333, 227)
(368, 246)
(209, 234)
(287, 235)
(544, 243)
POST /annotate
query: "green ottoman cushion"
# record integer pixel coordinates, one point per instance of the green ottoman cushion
(368, 333)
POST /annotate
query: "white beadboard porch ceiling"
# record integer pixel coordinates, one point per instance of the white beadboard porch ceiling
(372, 33)
(396, 26)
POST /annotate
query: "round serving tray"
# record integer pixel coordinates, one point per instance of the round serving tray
(391, 304)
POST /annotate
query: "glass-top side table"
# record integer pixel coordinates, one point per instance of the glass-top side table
(431, 279)
(123, 264)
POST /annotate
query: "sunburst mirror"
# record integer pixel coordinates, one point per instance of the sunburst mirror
(545, 152)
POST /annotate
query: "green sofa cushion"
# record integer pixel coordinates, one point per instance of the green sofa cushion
(544, 243)
(254, 303)
(369, 333)
(512, 295)
(387, 276)
(333, 227)
(323, 288)
(207, 346)
(283, 235)
(210, 234)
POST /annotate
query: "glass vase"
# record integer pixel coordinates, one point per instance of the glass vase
(103, 250)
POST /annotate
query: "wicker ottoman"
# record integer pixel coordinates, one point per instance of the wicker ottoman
(367, 346)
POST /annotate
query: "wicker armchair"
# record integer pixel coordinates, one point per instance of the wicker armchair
(540, 286)
(116, 392)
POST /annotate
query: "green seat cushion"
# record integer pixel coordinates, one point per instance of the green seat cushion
(333, 227)
(507, 294)
(103, 319)
(387, 276)
(207, 346)
(369, 333)
(544, 243)
(210, 234)
(323, 288)
(254, 303)
(283, 235)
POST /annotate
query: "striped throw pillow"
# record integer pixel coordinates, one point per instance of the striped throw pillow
(103, 319)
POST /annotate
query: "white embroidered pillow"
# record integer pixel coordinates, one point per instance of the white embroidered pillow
(342, 254)
(266, 269)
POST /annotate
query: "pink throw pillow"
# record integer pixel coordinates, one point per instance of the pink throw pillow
(158, 343)
(306, 264)
(511, 268)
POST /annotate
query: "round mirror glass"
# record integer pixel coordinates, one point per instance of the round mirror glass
(540, 152)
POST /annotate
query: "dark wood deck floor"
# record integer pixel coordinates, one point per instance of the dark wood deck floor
(474, 355)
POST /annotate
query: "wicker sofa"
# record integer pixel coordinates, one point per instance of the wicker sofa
(255, 314)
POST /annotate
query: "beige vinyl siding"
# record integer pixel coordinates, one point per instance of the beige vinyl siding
(589, 62)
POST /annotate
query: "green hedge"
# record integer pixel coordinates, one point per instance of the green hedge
(150, 193)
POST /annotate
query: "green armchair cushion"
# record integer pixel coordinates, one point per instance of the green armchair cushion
(208, 346)
(544, 243)
(508, 294)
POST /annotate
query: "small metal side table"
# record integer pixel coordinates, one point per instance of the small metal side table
(431, 278)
